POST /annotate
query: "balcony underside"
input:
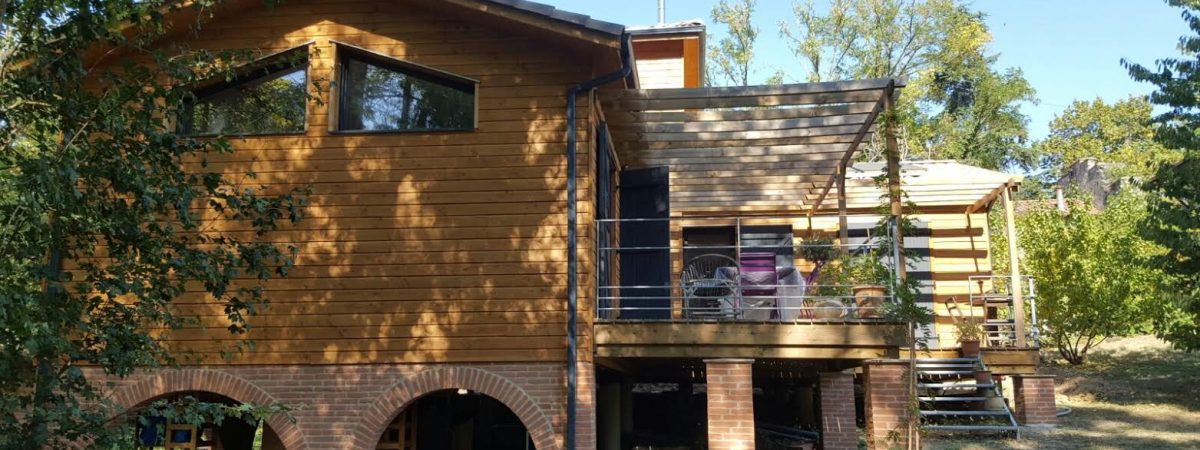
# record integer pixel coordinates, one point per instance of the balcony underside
(847, 341)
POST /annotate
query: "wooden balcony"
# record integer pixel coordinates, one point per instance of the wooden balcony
(760, 340)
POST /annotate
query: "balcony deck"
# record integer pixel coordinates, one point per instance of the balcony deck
(759, 340)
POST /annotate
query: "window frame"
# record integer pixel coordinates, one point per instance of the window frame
(345, 52)
(204, 91)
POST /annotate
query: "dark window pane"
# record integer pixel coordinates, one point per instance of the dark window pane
(381, 98)
(273, 103)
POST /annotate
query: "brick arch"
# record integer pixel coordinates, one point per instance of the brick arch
(220, 383)
(380, 414)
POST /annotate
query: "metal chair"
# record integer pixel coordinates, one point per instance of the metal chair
(705, 294)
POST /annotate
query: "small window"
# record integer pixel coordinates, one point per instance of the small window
(378, 94)
(269, 98)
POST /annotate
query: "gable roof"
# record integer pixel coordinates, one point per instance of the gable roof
(568, 17)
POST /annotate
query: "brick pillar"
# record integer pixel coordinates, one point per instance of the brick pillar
(1034, 396)
(838, 430)
(886, 403)
(585, 412)
(730, 404)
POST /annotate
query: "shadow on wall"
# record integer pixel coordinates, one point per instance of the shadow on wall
(416, 247)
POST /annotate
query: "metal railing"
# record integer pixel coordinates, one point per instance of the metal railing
(992, 296)
(664, 272)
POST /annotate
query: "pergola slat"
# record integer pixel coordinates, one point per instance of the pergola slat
(626, 117)
(746, 148)
(828, 87)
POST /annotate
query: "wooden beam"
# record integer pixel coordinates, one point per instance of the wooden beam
(749, 334)
(843, 220)
(858, 138)
(893, 180)
(641, 351)
(625, 117)
(742, 125)
(1010, 227)
(634, 104)
(990, 197)
(755, 91)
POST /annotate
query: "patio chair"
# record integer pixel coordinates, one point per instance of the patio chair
(705, 292)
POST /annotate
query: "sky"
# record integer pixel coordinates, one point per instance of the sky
(1068, 49)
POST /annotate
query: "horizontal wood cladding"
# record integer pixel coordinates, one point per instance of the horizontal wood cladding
(416, 247)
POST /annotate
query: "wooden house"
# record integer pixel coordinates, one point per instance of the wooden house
(499, 262)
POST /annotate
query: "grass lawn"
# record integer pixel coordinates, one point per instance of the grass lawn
(1132, 393)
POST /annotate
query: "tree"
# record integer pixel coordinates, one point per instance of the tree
(1174, 211)
(1091, 281)
(108, 216)
(1120, 132)
(956, 104)
(730, 59)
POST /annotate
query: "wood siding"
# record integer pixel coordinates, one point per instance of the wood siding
(417, 247)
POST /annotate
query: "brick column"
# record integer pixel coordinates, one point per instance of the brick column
(838, 430)
(886, 402)
(1034, 396)
(730, 404)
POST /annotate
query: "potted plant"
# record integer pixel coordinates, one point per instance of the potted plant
(825, 279)
(868, 277)
(970, 333)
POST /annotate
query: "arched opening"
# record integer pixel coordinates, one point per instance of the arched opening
(455, 419)
(157, 432)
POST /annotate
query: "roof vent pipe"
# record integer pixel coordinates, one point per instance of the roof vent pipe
(662, 12)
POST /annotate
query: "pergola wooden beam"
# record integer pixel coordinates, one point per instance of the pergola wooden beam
(991, 197)
(862, 134)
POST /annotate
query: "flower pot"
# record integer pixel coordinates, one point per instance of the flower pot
(983, 376)
(828, 308)
(970, 348)
(994, 402)
(869, 298)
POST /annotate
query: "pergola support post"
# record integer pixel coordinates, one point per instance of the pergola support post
(1014, 267)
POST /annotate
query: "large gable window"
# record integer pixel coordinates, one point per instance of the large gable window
(270, 97)
(383, 94)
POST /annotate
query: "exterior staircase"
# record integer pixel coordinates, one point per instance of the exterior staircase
(953, 400)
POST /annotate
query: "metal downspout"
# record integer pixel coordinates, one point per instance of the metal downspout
(572, 232)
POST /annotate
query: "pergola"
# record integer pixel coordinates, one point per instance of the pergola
(782, 150)
(766, 148)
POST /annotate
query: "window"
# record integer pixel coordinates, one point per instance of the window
(378, 94)
(269, 98)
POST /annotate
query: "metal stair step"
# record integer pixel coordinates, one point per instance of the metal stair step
(946, 360)
(972, 427)
(950, 398)
(956, 385)
(947, 372)
(964, 413)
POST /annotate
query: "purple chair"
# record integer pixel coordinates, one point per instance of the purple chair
(758, 274)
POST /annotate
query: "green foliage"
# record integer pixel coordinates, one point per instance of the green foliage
(956, 105)
(969, 329)
(730, 58)
(1091, 277)
(1173, 221)
(106, 213)
(1120, 132)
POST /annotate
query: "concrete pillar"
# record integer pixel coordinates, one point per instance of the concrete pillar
(838, 428)
(730, 404)
(1034, 398)
(608, 416)
(886, 391)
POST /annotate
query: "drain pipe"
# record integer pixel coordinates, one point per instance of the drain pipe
(572, 233)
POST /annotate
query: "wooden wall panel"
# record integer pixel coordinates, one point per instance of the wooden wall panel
(416, 247)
